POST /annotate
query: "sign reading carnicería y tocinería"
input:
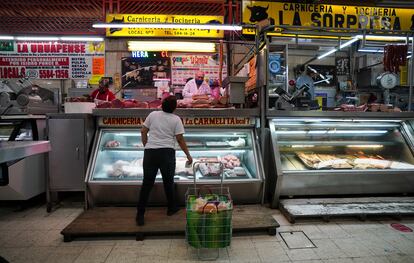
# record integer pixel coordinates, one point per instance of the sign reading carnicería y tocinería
(163, 19)
(328, 16)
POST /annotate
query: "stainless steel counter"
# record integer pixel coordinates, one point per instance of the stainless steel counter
(340, 114)
(22, 117)
(13, 150)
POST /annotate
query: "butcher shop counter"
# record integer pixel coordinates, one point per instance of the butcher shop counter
(115, 173)
(341, 153)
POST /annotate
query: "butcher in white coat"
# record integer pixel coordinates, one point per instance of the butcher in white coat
(196, 86)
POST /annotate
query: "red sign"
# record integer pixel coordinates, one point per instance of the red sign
(34, 61)
(187, 121)
(401, 227)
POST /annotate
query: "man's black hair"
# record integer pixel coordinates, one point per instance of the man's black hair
(169, 104)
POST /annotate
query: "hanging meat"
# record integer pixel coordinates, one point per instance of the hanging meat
(394, 57)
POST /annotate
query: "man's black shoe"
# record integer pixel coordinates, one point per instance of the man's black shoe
(140, 219)
(172, 211)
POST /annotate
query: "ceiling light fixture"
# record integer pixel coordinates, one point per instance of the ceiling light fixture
(171, 46)
(171, 26)
(371, 50)
(328, 53)
(6, 37)
(29, 38)
(348, 43)
(53, 38)
(383, 38)
(97, 39)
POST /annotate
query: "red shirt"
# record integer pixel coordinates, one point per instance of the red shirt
(106, 96)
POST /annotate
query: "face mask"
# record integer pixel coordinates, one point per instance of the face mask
(199, 81)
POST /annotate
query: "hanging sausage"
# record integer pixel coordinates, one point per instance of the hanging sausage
(394, 57)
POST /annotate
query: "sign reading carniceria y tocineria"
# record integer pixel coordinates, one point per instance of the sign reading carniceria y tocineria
(328, 16)
(167, 19)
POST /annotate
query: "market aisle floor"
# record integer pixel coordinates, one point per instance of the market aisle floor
(34, 236)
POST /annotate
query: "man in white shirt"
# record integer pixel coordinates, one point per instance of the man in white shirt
(159, 133)
(196, 86)
(306, 77)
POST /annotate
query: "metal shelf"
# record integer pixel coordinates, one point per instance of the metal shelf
(215, 148)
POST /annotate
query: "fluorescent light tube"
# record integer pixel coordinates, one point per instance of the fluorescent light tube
(357, 131)
(351, 121)
(290, 132)
(6, 37)
(371, 50)
(178, 26)
(379, 37)
(328, 53)
(349, 42)
(366, 146)
(171, 46)
(81, 38)
(38, 38)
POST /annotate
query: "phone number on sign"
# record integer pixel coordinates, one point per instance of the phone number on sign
(53, 74)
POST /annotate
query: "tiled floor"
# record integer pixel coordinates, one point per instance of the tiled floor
(34, 236)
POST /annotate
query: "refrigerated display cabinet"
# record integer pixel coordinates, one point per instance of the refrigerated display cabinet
(115, 172)
(342, 153)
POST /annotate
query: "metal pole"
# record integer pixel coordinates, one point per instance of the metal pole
(262, 91)
(410, 75)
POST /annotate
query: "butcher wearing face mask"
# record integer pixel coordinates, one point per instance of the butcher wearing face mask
(196, 86)
(103, 93)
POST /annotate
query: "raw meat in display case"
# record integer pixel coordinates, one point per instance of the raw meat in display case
(118, 157)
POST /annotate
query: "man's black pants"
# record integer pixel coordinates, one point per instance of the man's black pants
(164, 160)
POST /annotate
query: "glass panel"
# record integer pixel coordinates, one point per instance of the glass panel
(25, 133)
(5, 131)
(317, 144)
(119, 156)
(120, 153)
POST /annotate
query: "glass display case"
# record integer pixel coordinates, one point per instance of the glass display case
(118, 156)
(320, 156)
(16, 131)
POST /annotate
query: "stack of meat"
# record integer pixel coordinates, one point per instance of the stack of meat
(130, 103)
(123, 168)
(230, 161)
(202, 101)
(112, 144)
(382, 107)
(181, 168)
(350, 107)
(350, 161)
(79, 99)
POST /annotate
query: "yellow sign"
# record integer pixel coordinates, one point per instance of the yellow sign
(94, 80)
(328, 16)
(159, 19)
(187, 121)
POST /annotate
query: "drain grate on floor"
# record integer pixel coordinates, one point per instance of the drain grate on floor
(296, 240)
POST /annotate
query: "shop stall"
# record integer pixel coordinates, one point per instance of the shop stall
(329, 154)
(115, 172)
